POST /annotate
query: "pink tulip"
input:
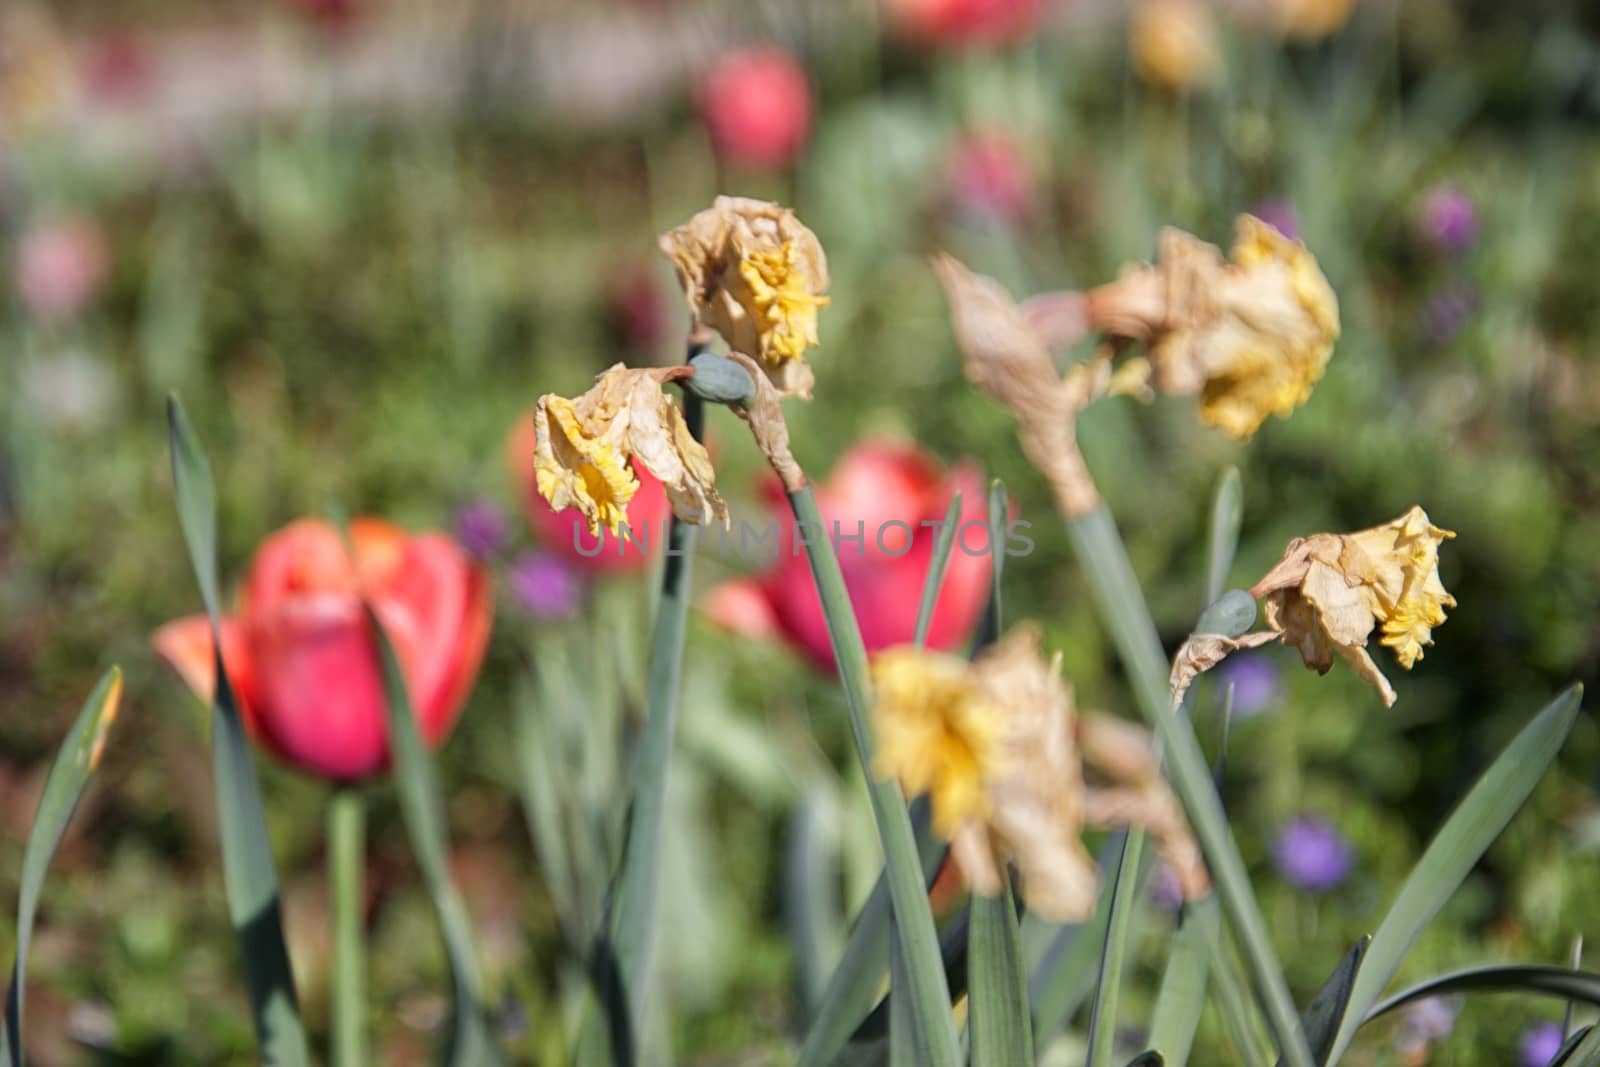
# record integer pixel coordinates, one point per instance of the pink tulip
(756, 104)
(884, 491)
(301, 656)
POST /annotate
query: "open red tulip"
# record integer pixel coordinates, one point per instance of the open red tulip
(566, 532)
(966, 22)
(301, 656)
(883, 491)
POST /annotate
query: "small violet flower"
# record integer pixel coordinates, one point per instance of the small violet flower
(1280, 215)
(1423, 1023)
(545, 585)
(1447, 312)
(1540, 1044)
(1255, 683)
(481, 527)
(1311, 855)
(1166, 892)
(1448, 219)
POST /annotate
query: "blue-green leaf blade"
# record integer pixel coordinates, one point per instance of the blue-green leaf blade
(999, 1019)
(1456, 849)
(1524, 978)
(75, 763)
(250, 875)
(469, 1042)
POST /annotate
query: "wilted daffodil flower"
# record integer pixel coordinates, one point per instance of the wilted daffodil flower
(1331, 591)
(582, 449)
(1249, 335)
(998, 747)
(753, 272)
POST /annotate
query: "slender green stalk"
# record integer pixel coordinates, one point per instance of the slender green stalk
(621, 964)
(347, 856)
(924, 978)
(249, 874)
(1103, 1013)
(1095, 538)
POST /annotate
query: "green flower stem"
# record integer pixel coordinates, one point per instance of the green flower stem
(1117, 593)
(923, 973)
(347, 847)
(1103, 1014)
(622, 959)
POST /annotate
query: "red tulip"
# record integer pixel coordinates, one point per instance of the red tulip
(565, 532)
(884, 490)
(970, 22)
(756, 104)
(302, 658)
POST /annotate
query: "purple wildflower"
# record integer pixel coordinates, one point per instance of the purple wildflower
(545, 585)
(1255, 683)
(1540, 1044)
(1165, 892)
(1311, 855)
(481, 528)
(1424, 1022)
(1447, 312)
(1448, 219)
(1280, 215)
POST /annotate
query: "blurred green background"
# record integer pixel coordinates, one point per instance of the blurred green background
(360, 239)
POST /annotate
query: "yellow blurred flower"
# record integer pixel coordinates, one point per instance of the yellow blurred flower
(1309, 20)
(1331, 591)
(1249, 336)
(996, 746)
(753, 272)
(582, 449)
(935, 731)
(1173, 43)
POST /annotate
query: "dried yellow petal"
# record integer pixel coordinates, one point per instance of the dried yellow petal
(1250, 336)
(752, 271)
(582, 449)
(1330, 591)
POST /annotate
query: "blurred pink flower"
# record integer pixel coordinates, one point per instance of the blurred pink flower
(756, 104)
(881, 507)
(118, 69)
(987, 174)
(638, 307)
(60, 266)
(965, 22)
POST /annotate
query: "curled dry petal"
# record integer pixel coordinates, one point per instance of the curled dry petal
(1135, 794)
(1201, 652)
(767, 424)
(582, 449)
(752, 271)
(1036, 783)
(1249, 335)
(1006, 353)
(1330, 591)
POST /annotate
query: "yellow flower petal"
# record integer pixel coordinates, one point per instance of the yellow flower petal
(935, 732)
(1331, 591)
(753, 272)
(574, 470)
